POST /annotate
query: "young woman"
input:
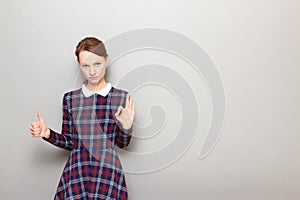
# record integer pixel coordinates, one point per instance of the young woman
(96, 118)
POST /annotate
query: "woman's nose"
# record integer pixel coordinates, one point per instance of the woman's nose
(92, 71)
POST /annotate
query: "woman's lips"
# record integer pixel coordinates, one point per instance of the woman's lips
(94, 77)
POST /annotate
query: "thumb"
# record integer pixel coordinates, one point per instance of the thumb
(40, 117)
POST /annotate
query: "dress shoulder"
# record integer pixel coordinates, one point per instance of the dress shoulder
(119, 91)
(71, 93)
(118, 97)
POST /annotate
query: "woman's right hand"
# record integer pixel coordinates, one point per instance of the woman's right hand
(39, 128)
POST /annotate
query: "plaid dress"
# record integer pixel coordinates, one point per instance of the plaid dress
(91, 131)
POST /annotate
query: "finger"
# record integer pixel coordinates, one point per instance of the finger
(132, 108)
(127, 100)
(35, 135)
(34, 132)
(37, 130)
(118, 111)
(131, 102)
(132, 112)
(40, 117)
(33, 124)
(31, 129)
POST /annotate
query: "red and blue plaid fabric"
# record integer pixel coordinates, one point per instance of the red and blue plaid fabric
(91, 132)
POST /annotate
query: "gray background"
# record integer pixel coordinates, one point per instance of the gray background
(254, 45)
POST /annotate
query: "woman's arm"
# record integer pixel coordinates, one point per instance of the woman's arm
(124, 120)
(123, 137)
(65, 139)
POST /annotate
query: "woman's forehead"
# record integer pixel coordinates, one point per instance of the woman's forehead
(89, 57)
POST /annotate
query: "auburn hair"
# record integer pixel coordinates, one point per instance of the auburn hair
(91, 44)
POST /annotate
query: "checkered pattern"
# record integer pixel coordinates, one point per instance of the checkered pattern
(91, 132)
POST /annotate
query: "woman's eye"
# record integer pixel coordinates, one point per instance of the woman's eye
(98, 64)
(85, 66)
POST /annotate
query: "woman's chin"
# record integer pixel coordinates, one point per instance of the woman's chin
(94, 81)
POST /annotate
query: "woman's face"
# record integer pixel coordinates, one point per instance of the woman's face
(92, 66)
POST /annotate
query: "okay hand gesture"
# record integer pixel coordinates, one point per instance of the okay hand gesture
(126, 115)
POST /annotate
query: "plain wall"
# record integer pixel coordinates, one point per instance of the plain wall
(253, 44)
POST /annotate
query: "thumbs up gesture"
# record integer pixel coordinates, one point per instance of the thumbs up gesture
(39, 128)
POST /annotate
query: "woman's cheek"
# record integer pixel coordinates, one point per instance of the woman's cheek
(102, 73)
(84, 73)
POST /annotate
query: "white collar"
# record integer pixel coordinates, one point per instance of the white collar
(103, 92)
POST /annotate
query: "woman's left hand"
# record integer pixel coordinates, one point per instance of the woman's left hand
(126, 115)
